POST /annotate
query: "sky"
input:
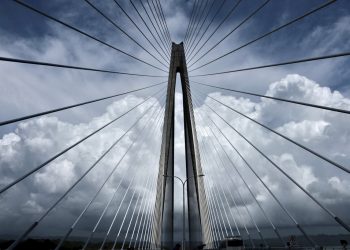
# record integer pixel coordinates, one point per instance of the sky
(27, 89)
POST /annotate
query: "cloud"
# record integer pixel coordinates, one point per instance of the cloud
(312, 128)
(307, 130)
(29, 89)
(36, 140)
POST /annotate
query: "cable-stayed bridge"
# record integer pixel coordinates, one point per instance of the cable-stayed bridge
(134, 202)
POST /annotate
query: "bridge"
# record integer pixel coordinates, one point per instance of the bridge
(268, 168)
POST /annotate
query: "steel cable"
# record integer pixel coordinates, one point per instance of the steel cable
(268, 33)
(17, 60)
(167, 48)
(6, 187)
(216, 29)
(255, 12)
(85, 34)
(111, 173)
(142, 33)
(196, 30)
(276, 98)
(123, 31)
(206, 29)
(72, 106)
(190, 49)
(150, 31)
(241, 177)
(336, 218)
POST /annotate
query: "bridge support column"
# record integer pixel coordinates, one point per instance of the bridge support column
(197, 219)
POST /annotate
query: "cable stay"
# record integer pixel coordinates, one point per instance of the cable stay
(206, 29)
(150, 31)
(167, 48)
(36, 223)
(238, 172)
(206, 153)
(146, 207)
(242, 178)
(217, 226)
(212, 229)
(255, 12)
(146, 226)
(157, 23)
(250, 216)
(336, 218)
(279, 203)
(232, 199)
(190, 22)
(197, 6)
(121, 225)
(143, 208)
(143, 34)
(251, 192)
(236, 206)
(220, 194)
(223, 165)
(268, 33)
(153, 188)
(223, 207)
(85, 34)
(73, 106)
(209, 242)
(124, 217)
(73, 145)
(153, 129)
(216, 29)
(212, 236)
(196, 20)
(117, 212)
(147, 222)
(111, 172)
(218, 211)
(283, 136)
(217, 229)
(123, 31)
(343, 54)
(147, 186)
(160, 19)
(106, 207)
(199, 25)
(164, 19)
(103, 212)
(17, 60)
(276, 98)
(213, 226)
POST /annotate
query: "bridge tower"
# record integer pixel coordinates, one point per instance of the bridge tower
(197, 219)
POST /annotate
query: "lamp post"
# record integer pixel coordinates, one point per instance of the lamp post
(183, 203)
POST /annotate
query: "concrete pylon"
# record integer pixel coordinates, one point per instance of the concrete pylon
(197, 211)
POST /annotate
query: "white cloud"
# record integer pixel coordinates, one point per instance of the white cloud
(323, 131)
(307, 130)
(56, 178)
(36, 140)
